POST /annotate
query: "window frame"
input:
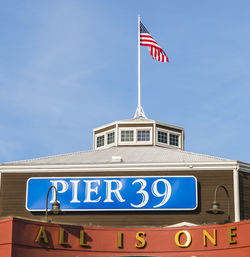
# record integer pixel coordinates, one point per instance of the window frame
(135, 141)
(120, 136)
(105, 134)
(175, 134)
(97, 136)
(168, 138)
(163, 131)
(109, 132)
(150, 136)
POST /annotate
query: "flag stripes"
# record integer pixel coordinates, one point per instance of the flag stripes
(155, 50)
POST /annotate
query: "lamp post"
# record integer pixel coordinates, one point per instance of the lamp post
(55, 204)
(215, 206)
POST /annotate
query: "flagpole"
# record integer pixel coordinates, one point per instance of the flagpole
(145, 39)
(139, 111)
(139, 68)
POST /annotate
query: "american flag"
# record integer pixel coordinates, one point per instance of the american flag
(155, 50)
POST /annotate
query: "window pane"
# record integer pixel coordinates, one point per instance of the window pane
(127, 136)
(111, 137)
(162, 137)
(174, 140)
(100, 141)
(143, 135)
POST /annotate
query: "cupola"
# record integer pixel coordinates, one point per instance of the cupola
(138, 132)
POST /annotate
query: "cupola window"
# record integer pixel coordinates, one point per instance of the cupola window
(143, 135)
(127, 135)
(100, 141)
(111, 138)
(162, 137)
(174, 139)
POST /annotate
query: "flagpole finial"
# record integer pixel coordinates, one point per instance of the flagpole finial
(139, 113)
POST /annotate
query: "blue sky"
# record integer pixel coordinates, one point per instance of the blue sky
(68, 66)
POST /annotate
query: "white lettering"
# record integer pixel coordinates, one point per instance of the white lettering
(55, 183)
(89, 189)
(167, 191)
(144, 193)
(74, 191)
(109, 191)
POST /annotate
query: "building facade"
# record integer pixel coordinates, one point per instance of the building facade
(138, 192)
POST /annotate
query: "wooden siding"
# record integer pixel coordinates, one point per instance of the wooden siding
(169, 128)
(104, 129)
(13, 193)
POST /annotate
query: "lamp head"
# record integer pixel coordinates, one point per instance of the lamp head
(55, 207)
(215, 208)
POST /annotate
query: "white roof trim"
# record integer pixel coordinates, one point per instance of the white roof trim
(137, 121)
(113, 167)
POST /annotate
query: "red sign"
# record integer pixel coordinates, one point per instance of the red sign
(36, 239)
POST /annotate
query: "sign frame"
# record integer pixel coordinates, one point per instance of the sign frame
(114, 177)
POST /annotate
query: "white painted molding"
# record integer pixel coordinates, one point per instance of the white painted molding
(236, 194)
(113, 167)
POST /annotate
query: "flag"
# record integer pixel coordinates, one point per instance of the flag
(155, 50)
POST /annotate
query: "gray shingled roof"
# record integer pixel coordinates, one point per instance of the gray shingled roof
(129, 154)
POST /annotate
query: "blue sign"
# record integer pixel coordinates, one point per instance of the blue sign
(113, 193)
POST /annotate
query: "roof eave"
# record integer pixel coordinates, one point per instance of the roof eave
(116, 167)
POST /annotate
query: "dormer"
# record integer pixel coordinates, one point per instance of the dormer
(138, 132)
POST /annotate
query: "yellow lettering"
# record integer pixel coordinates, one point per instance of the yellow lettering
(142, 241)
(206, 236)
(231, 235)
(82, 239)
(42, 235)
(120, 240)
(178, 236)
(61, 237)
